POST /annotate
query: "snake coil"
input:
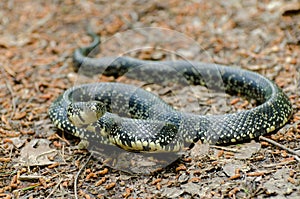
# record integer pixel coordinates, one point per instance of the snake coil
(137, 120)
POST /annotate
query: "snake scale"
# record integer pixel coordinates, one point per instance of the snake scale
(137, 120)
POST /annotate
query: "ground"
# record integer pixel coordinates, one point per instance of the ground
(36, 44)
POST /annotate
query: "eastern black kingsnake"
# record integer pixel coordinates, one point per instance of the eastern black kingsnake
(137, 120)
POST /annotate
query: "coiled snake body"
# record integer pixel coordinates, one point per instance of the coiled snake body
(137, 120)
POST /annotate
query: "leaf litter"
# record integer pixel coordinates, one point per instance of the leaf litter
(36, 44)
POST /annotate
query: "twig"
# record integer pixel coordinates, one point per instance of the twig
(77, 175)
(29, 177)
(279, 164)
(56, 186)
(225, 148)
(13, 99)
(281, 146)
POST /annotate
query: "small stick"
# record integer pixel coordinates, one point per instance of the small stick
(77, 175)
(280, 164)
(55, 188)
(225, 148)
(281, 146)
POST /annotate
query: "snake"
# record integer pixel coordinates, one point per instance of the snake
(134, 119)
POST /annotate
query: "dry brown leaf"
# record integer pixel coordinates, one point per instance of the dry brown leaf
(36, 152)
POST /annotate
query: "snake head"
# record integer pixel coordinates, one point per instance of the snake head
(84, 113)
